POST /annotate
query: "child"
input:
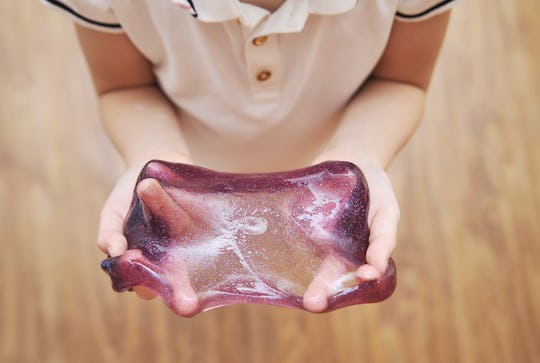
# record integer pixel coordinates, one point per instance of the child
(261, 85)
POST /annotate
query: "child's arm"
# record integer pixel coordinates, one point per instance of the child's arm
(387, 109)
(377, 123)
(128, 99)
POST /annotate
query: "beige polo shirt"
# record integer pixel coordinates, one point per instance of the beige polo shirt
(254, 89)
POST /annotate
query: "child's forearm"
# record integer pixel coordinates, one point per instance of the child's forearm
(142, 123)
(138, 118)
(377, 123)
(382, 116)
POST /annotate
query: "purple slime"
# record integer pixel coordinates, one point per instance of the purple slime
(248, 238)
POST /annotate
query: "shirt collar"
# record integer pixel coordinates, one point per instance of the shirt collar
(289, 18)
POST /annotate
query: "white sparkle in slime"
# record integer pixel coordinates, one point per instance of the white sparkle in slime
(227, 224)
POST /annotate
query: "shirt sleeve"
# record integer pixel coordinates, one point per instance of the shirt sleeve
(95, 14)
(417, 10)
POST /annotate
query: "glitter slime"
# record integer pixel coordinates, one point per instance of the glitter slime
(202, 239)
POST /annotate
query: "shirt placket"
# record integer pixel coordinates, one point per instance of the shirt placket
(263, 63)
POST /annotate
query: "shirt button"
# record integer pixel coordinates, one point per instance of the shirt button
(259, 40)
(264, 75)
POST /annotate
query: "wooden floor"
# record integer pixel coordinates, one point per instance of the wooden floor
(469, 245)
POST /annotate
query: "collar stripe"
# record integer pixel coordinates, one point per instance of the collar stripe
(425, 12)
(82, 17)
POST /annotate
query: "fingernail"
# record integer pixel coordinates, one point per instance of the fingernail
(368, 273)
(113, 251)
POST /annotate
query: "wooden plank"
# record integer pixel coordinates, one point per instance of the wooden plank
(468, 244)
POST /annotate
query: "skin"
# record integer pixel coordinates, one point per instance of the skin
(143, 124)
(270, 5)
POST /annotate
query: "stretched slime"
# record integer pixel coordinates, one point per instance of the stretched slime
(201, 239)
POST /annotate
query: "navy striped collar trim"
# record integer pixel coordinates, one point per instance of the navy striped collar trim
(425, 12)
(82, 17)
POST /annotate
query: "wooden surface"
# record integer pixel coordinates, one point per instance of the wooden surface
(469, 244)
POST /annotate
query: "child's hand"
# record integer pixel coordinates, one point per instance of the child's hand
(383, 218)
(111, 239)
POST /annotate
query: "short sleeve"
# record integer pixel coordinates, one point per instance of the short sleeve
(416, 10)
(95, 14)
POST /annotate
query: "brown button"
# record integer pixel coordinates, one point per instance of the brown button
(260, 40)
(264, 75)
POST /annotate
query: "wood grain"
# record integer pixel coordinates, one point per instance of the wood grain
(468, 251)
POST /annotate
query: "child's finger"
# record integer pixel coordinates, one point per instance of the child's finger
(367, 272)
(326, 282)
(110, 237)
(161, 205)
(186, 300)
(144, 292)
(382, 239)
